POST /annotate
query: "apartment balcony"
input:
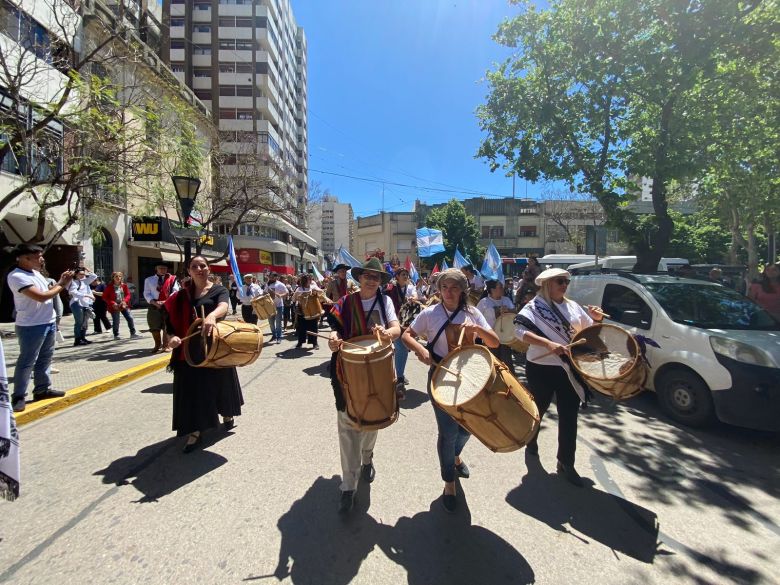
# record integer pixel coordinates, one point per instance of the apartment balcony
(242, 125)
(230, 56)
(199, 15)
(199, 60)
(235, 101)
(234, 78)
(177, 32)
(202, 38)
(178, 9)
(243, 33)
(201, 83)
(177, 54)
(235, 10)
(268, 109)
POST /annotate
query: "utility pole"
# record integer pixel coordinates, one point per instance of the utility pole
(513, 184)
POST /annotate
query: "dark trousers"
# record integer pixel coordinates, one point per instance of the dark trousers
(248, 314)
(287, 315)
(544, 382)
(302, 326)
(233, 303)
(101, 317)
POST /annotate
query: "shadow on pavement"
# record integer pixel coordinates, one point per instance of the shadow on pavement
(322, 369)
(612, 521)
(160, 469)
(166, 388)
(318, 546)
(414, 398)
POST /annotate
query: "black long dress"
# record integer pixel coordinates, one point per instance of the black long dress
(200, 394)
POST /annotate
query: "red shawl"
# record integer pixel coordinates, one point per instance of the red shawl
(181, 314)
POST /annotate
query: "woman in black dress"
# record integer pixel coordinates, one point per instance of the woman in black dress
(199, 394)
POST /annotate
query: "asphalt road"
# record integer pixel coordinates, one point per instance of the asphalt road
(109, 498)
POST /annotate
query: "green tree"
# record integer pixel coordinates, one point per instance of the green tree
(460, 230)
(603, 92)
(700, 238)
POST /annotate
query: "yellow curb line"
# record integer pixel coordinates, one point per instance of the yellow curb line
(39, 409)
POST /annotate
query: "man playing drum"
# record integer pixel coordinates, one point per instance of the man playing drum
(356, 314)
(442, 325)
(547, 324)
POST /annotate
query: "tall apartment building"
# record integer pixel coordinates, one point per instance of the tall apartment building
(332, 224)
(246, 60)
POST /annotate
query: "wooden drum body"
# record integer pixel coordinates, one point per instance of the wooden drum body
(505, 329)
(473, 297)
(610, 361)
(408, 311)
(311, 306)
(231, 344)
(367, 377)
(485, 399)
(264, 306)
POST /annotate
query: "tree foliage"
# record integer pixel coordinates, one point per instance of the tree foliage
(460, 230)
(603, 92)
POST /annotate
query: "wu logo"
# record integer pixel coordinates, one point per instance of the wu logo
(149, 229)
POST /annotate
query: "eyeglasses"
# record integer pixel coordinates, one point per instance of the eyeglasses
(565, 281)
(370, 276)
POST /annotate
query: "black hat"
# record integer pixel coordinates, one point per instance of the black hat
(340, 266)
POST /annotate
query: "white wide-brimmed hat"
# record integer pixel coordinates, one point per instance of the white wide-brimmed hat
(551, 273)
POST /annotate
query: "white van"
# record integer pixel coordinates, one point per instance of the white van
(718, 354)
(564, 260)
(623, 263)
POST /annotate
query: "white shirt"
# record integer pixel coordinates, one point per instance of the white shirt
(278, 291)
(80, 292)
(411, 291)
(30, 312)
(574, 314)
(488, 306)
(431, 319)
(375, 318)
(246, 292)
(477, 283)
(310, 288)
(150, 288)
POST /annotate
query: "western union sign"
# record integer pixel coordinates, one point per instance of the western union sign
(147, 229)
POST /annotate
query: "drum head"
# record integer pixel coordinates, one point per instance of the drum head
(475, 365)
(505, 328)
(367, 345)
(608, 352)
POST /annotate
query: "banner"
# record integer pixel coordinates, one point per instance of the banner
(266, 257)
(429, 242)
(492, 268)
(317, 276)
(344, 257)
(413, 274)
(232, 261)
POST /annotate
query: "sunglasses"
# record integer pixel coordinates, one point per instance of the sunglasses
(565, 281)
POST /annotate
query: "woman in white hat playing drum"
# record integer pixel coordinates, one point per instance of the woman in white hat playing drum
(547, 324)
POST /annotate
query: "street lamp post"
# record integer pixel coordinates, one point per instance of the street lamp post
(186, 190)
(301, 249)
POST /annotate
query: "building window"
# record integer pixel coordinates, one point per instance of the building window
(244, 114)
(227, 67)
(198, 49)
(527, 231)
(177, 44)
(244, 45)
(243, 68)
(177, 67)
(203, 94)
(201, 28)
(492, 231)
(177, 21)
(228, 21)
(227, 44)
(202, 72)
(227, 113)
(243, 22)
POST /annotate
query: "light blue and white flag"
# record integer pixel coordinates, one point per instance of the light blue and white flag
(317, 276)
(344, 257)
(233, 262)
(429, 242)
(444, 265)
(459, 261)
(492, 269)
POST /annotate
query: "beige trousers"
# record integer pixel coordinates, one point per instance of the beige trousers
(356, 448)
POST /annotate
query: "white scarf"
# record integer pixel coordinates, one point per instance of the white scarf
(9, 439)
(552, 327)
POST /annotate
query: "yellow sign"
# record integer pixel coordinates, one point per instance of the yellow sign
(266, 258)
(146, 229)
(208, 240)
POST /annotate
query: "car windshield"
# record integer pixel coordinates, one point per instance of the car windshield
(711, 307)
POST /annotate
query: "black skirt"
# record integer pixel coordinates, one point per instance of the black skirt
(200, 394)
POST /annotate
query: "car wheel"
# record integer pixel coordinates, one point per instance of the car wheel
(686, 398)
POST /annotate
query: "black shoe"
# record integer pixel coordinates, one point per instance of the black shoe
(299, 346)
(78, 342)
(463, 470)
(190, 447)
(19, 404)
(347, 502)
(367, 472)
(570, 474)
(48, 393)
(229, 423)
(532, 449)
(450, 502)
(85, 341)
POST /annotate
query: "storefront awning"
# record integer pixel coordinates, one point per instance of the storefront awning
(170, 256)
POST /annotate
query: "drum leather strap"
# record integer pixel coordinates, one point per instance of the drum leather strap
(429, 346)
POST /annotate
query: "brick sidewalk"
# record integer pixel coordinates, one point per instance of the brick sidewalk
(84, 364)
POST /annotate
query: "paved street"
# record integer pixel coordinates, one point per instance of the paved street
(109, 498)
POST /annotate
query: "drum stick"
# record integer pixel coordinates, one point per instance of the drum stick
(312, 334)
(190, 335)
(579, 341)
(600, 312)
(456, 374)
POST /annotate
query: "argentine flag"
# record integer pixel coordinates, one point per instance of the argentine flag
(429, 242)
(233, 262)
(344, 257)
(492, 269)
(459, 261)
(444, 265)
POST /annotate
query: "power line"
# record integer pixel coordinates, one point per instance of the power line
(420, 187)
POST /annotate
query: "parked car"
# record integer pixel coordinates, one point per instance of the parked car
(718, 354)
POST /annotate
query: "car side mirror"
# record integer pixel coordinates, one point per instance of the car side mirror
(633, 319)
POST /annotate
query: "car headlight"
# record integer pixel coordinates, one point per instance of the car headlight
(741, 352)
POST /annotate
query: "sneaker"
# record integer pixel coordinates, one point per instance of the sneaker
(19, 404)
(54, 370)
(367, 472)
(347, 502)
(136, 336)
(48, 393)
(86, 341)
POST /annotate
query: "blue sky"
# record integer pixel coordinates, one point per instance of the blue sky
(393, 86)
